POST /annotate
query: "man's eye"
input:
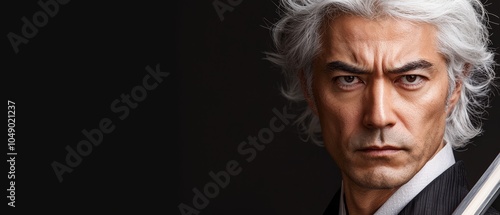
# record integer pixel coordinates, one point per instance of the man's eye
(411, 81)
(348, 80)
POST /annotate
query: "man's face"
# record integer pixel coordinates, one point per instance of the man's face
(380, 91)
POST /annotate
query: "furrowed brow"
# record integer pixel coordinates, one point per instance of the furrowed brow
(420, 64)
(342, 66)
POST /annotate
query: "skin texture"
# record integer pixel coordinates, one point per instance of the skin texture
(380, 89)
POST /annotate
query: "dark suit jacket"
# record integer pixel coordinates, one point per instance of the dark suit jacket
(442, 196)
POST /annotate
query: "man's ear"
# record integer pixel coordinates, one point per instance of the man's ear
(305, 91)
(455, 95)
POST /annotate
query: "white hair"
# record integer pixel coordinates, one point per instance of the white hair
(462, 35)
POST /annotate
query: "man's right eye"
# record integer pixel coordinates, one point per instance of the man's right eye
(347, 79)
(347, 82)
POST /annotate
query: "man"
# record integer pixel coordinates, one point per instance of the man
(392, 87)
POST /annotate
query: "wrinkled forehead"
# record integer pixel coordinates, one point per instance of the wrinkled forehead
(385, 40)
(385, 28)
(383, 37)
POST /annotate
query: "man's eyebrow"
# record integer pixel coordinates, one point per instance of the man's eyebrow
(339, 65)
(419, 64)
(342, 66)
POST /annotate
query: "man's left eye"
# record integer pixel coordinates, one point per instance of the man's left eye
(411, 79)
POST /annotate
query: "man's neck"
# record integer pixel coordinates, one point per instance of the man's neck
(365, 201)
(359, 200)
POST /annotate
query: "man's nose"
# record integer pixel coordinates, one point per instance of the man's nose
(378, 106)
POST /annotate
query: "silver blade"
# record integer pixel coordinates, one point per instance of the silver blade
(484, 192)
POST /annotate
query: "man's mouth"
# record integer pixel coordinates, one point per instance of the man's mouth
(380, 151)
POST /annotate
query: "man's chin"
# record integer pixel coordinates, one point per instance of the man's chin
(381, 178)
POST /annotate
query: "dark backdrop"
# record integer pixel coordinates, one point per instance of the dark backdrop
(196, 125)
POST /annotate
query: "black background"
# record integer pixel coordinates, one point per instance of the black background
(219, 92)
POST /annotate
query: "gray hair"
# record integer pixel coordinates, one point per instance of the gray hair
(462, 35)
